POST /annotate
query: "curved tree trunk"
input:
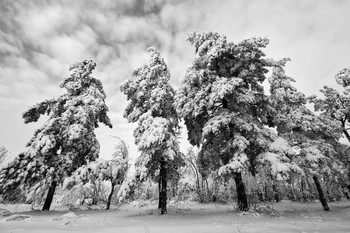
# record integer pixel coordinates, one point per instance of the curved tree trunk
(320, 193)
(49, 196)
(110, 196)
(162, 188)
(241, 195)
(346, 133)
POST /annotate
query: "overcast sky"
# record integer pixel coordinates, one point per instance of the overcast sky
(40, 39)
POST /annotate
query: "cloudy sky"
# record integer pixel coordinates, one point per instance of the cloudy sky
(39, 39)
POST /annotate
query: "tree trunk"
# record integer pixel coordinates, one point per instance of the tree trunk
(174, 191)
(162, 188)
(346, 133)
(347, 195)
(49, 196)
(241, 195)
(159, 192)
(302, 189)
(110, 196)
(276, 193)
(346, 192)
(268, 193)
(320, 193)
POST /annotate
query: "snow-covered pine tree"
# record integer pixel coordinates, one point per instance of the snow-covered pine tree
(336, 105)
(223, 104)
(314, 137)
(65, 142)
(151, 101)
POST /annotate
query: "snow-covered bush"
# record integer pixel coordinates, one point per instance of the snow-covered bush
(90, 178)
(187, 188)
(127, 189)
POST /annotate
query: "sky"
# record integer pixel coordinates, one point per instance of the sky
(40, 39)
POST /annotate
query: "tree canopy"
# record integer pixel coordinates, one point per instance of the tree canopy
(67, 140)
(314, 137)
(151, 101)
(222, 101)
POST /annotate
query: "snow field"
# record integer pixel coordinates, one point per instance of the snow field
(182, 217)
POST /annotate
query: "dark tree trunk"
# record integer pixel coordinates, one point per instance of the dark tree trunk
(276, 193)
(110, 196)
(49, 196)
(159, 193)
(320, 193)
(346, 133)
(347, 192)
(347, 195)
(302, 188)
(268, 193)
(302, 184)
(174, 191)
(241, 195)
(162, 188)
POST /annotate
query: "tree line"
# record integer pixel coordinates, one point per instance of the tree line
(241, 131)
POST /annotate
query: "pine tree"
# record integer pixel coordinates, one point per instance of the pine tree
(65, 142)
(223, 104)
(314, 137)
(336, 105)
(151, 101)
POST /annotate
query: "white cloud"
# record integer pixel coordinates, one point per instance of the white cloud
(51, 66)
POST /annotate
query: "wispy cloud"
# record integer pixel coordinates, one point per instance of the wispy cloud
(40, 39)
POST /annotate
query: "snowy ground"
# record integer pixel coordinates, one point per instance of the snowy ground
(182, 217)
